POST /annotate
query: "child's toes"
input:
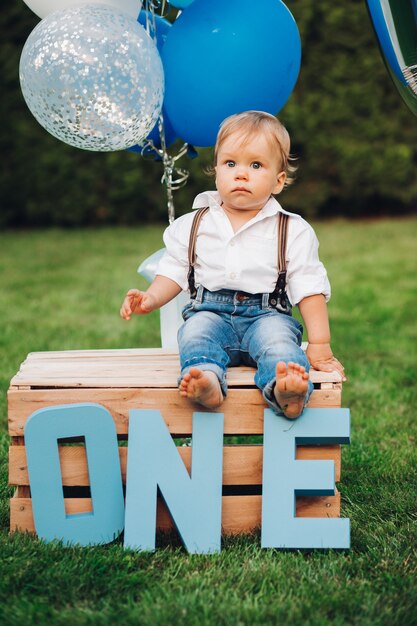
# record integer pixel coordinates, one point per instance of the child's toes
(281, 369)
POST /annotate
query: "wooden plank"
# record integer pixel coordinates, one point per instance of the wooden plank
(139, 378)
(242, 464)
(121, 368)
(240, 514)
(110, 353)
(243, 408)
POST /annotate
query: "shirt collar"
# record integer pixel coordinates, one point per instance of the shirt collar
(207, 198)
(212, 199)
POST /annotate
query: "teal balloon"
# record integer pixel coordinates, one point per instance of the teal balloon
(180, 4)
(395, 25)
(222, 58)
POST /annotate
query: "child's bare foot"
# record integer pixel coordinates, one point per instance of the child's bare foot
(202, 386)
(291, 388)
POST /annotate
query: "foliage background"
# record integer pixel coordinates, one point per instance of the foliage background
(355, 139)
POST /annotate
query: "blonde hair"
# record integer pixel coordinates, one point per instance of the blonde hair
(250, 123)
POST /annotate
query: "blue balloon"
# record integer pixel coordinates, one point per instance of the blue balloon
(222, 58)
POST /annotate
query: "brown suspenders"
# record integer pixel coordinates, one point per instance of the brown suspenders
(278, 298)
(191, 249)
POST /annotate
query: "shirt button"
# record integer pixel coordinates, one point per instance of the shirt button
(232, 275)
(232, 243)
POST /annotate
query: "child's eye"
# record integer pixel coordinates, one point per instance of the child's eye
(230, 163)
(256, 165)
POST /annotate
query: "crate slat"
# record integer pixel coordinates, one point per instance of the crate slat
(243, 408)
(242, 464)
(240, 514)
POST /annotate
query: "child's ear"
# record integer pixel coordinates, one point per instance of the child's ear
(281, 178)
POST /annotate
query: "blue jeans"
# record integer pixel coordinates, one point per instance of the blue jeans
(227, 328)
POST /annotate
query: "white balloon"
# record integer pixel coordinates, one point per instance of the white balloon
(92, 77)
(170, 314)
(42, 8)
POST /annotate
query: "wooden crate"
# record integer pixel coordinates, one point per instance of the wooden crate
(121, 380)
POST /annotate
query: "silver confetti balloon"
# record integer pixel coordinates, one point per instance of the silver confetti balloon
(92, 77)
(42, 8)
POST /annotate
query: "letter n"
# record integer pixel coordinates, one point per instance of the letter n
(194, 502)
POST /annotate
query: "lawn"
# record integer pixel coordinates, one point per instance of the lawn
(63, 289)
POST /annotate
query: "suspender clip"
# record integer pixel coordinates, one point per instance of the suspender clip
(282, 279)
(191, 283)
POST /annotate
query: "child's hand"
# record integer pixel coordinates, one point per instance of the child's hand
(139, 302)
(321, 357)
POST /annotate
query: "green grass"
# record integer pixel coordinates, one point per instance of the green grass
(62, 290)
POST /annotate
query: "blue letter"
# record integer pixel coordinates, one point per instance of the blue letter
(284, 478)
(95, 424)
(153, 461)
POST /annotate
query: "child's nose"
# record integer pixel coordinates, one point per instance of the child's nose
(241, 172)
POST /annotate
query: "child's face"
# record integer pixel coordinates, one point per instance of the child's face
(247, 173)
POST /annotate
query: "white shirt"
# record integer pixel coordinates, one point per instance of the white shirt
(246, 260)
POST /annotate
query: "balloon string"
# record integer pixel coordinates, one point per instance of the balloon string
(170, 171)
(173, 178)
(152, 5)
(150, 18)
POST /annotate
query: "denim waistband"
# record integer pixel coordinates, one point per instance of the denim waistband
(228, 296)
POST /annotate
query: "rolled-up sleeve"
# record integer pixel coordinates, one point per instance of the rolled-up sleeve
(174, 263)
(306, 274)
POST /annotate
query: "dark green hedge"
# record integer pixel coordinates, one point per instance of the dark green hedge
(355, 139)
